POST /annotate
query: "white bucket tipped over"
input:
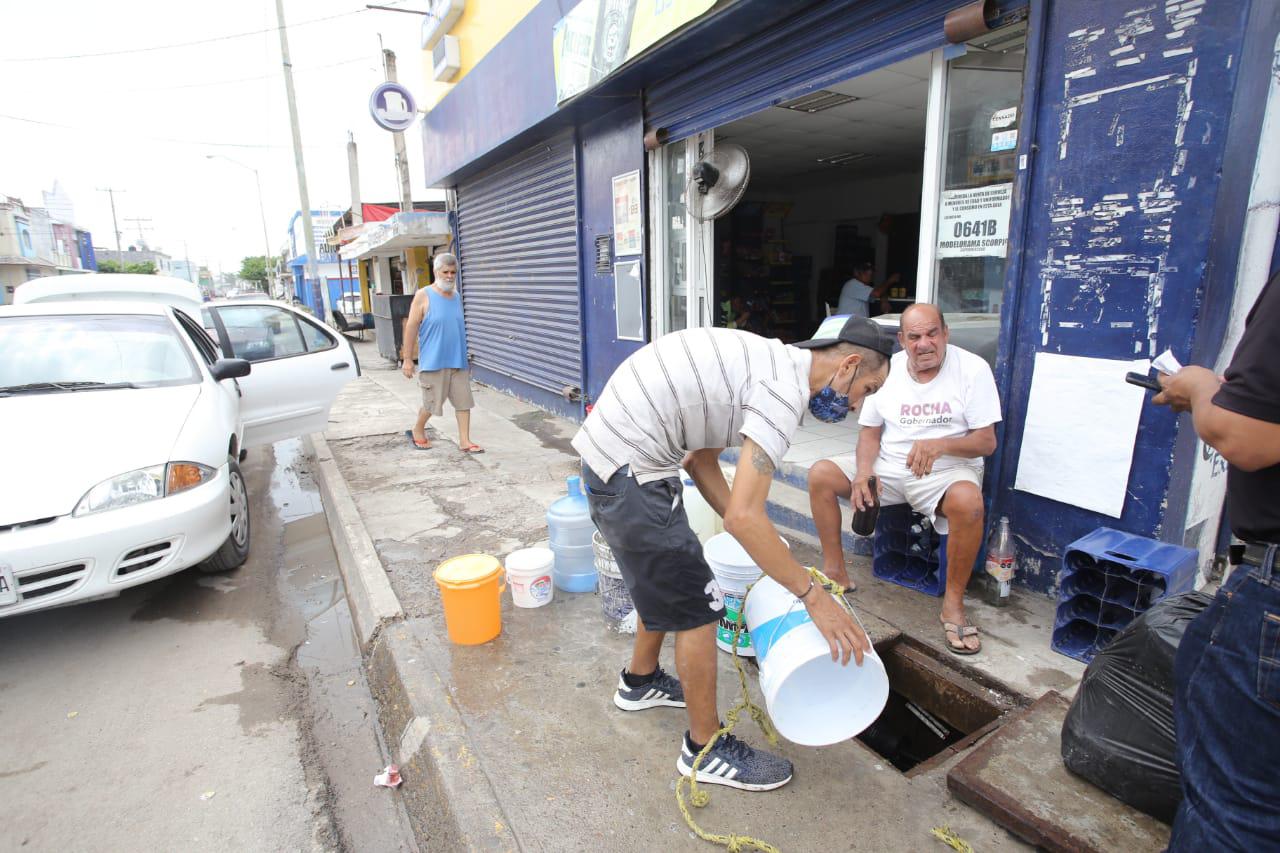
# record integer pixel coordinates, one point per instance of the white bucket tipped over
(812, 700)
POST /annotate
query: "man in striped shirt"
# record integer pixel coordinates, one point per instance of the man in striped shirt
(679, 402)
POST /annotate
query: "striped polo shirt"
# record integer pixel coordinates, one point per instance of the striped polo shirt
(691, 390)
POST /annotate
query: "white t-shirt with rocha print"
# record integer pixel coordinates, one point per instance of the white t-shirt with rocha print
(961, 398)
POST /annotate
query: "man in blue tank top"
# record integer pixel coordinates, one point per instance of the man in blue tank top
(435, 324)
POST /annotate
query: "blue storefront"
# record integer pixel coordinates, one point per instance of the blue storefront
(1099, 164)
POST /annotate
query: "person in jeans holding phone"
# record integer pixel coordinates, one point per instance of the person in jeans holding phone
(1226, 702)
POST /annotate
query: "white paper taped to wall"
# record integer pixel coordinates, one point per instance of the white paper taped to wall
(1082, 421)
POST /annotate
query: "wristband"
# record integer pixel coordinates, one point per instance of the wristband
(802, 595)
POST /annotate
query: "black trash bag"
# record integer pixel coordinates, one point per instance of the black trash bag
(1118, 733)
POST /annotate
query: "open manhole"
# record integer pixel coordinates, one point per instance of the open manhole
(934, 709)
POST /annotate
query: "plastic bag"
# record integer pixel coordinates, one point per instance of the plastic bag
(1118, 733)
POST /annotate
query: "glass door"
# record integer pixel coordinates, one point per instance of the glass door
(975, 116)
(984, 114)
(683, 266)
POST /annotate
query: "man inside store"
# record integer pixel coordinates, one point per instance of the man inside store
(859, 298)
(678, 402)
(1226, 700)
(923, 437)
(435, 330)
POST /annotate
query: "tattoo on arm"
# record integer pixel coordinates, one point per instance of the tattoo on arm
(761, 461)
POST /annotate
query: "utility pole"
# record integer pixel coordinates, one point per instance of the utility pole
(308, 230)
(402, 159)
(111, 194)
(353, 175)
(138, 220)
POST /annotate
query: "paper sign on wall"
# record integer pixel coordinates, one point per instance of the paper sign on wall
(1004, 140)
(1082, 421)
(627, 221)
(974, 223)
(1005, 117)
(628, 300)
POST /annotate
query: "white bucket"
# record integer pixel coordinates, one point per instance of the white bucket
(529, 576)
(734, 571)
(812, 700)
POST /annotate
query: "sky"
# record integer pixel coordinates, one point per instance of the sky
(145, 119)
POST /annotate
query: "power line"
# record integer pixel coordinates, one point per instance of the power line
(248, 79)
(150, 138)
(177, 44)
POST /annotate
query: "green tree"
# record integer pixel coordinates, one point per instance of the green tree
(254, 269)
(143, 268)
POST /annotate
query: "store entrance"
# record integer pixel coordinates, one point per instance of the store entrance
(830, 222)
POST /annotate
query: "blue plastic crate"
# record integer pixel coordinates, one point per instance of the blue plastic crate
(1108, 579)
(915, 560)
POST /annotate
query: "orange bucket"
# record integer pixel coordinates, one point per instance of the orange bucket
(471, 588)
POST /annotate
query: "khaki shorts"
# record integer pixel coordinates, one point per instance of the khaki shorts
(924, 494)
(452, 384)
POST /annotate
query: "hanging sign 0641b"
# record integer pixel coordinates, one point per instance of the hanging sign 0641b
(974, 223)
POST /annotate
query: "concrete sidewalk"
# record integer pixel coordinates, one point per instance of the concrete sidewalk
(515, 745)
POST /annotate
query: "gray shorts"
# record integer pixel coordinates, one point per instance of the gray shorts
(657, 552)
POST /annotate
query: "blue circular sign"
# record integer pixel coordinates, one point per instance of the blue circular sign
(392, 107)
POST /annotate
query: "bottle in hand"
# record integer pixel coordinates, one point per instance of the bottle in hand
(864, 520)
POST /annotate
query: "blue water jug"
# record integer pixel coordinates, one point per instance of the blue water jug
(570, 528)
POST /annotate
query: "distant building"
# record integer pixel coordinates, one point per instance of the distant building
(305, 289)
(34, 244)
(139, 254)
(185, 269)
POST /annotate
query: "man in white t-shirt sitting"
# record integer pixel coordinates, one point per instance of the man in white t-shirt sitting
(923, 436)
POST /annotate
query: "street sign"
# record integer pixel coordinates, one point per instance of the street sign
(392, 107)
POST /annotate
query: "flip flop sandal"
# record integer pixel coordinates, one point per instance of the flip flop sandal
(472, 449)
(416, 446)
(960, 631)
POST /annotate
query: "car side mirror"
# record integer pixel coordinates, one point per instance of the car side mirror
(229, 368)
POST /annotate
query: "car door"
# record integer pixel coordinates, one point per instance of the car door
(299, 366)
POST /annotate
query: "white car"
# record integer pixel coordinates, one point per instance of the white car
(123, 423)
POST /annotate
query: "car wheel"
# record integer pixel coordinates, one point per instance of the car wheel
(235, 550)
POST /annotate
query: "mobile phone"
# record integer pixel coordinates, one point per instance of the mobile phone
(1143, 380)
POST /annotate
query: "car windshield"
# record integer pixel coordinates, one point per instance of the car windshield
(74, 352)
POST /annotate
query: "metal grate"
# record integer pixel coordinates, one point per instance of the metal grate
(604, 253)
(143, 558)
(816, 102)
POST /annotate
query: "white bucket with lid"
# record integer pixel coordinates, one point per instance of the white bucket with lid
(529, 576)
(812, 700)
(734, 571)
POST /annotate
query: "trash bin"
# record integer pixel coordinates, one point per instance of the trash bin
(389, 313)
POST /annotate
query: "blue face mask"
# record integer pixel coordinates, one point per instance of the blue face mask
(830, 407)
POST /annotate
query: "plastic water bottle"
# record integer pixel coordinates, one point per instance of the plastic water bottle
(702, 518)
(570, 529)
(1000, 564)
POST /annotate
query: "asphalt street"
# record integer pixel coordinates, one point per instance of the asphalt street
(201, 712)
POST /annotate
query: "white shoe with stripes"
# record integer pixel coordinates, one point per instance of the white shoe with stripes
(732, 762)
(661, 691)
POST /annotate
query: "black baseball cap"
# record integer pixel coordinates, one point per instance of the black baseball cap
(850, 330)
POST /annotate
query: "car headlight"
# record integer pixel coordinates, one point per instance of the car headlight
(142, 485)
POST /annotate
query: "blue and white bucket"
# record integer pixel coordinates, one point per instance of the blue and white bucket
(813, 700)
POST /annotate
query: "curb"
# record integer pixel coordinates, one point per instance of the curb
(373, 601)
(451, 802)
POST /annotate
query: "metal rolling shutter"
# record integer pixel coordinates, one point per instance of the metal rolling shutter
(825, 44)
(518, 259)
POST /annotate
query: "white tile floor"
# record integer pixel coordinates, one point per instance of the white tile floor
(816, 440)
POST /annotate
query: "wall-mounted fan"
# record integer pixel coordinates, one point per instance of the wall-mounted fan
(718, 182)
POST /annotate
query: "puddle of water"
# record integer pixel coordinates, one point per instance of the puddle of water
(292, 491)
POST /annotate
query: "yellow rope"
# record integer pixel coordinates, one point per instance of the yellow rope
(949, 838)
(700, 798)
